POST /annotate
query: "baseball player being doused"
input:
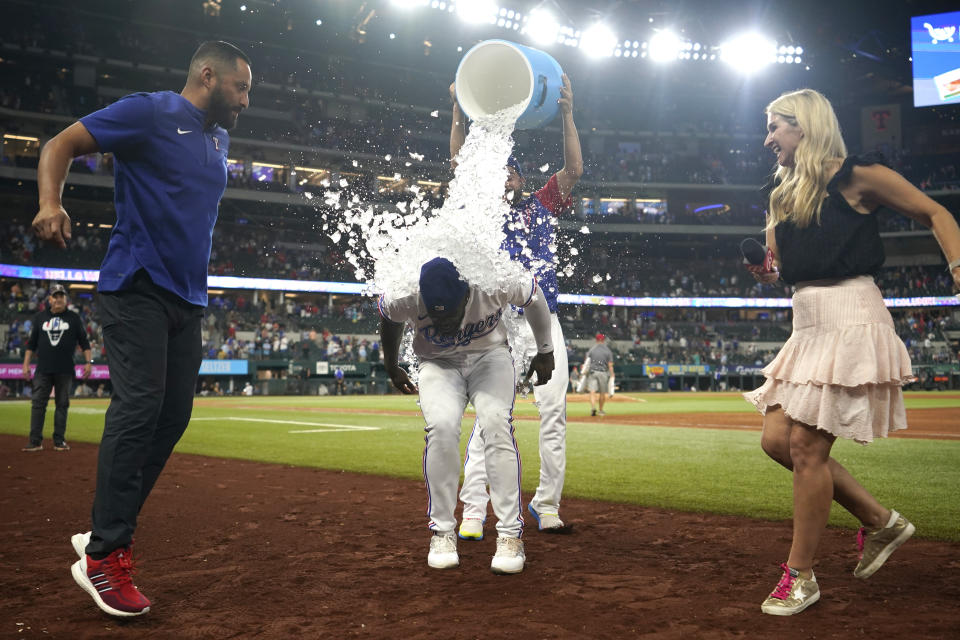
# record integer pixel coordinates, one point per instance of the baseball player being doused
(461, 344)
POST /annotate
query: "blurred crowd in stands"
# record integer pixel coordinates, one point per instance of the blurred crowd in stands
(374, 118)
(343, 329)
(384, 111)
(407, 137)
(600, 266)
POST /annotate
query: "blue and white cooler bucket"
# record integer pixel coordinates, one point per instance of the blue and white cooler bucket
(496, 74)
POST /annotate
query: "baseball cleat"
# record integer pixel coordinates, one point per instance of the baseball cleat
(471, 529)
(509, 557)
(549, 522)
(443, 552)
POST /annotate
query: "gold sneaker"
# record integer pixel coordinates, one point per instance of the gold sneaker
(792, 595)
(876, 546)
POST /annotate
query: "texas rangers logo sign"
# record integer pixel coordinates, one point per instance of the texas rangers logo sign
(55, 328)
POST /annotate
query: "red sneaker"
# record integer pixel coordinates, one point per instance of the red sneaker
(110, 583)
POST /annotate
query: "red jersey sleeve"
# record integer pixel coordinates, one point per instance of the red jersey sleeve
(549, 196)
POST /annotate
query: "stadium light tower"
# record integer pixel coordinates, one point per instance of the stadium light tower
(665, 46)
(598, 41)
(542, 27)
(749, 52)
(476, 11)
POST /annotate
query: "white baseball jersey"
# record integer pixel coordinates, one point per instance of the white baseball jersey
(484, 375)
(481, 330)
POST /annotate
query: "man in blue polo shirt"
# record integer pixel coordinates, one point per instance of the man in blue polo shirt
(170, 159)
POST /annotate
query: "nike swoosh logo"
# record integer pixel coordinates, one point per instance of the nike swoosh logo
(181, 131)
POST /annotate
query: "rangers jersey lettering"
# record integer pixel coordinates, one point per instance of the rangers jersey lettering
(480, 331)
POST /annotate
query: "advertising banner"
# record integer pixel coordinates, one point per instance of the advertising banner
(15, 371)
(224, 367)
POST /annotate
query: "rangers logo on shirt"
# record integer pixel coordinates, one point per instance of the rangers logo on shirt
(55, 328)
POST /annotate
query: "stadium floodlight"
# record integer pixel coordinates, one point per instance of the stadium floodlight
(477, 11)
(598, 41)
(665, 46)
(542, 27)
(749, 52)
(407, 4)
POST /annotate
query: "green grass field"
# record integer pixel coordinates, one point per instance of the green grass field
(710, 470)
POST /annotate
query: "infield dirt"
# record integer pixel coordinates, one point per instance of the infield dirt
(235, 549)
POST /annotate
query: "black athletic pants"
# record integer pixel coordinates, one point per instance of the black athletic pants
(42, 383)
(153, 344)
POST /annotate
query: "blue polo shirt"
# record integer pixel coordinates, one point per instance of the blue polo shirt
(170, 173)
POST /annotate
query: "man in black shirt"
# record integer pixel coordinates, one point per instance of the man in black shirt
(56, 333)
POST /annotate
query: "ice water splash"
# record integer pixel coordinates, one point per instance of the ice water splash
(467, 229)
(390, 246)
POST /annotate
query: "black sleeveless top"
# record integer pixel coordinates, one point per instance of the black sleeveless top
(845, 244)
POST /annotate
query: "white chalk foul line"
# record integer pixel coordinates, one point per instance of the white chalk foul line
(328, 427)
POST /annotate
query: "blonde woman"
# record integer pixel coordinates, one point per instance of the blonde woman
(841, 371)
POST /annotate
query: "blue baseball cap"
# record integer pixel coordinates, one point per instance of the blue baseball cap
(513, 162)
(441, 287)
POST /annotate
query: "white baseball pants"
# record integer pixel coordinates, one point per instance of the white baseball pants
(552, 404)
(487, 381)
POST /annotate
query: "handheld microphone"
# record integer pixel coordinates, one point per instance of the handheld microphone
(752, 251)
(756, 254)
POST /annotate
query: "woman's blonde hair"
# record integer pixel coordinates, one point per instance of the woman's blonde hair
(802, 188)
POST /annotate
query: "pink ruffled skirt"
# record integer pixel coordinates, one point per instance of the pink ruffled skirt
(844, 365)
